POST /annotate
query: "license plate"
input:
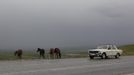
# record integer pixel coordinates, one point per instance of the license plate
(92, 54)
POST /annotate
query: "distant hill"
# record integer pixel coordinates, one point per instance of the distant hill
(127, 49)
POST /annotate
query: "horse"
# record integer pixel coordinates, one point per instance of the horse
(18, 53)
(51, 53)
(57, 53)
(42, 52)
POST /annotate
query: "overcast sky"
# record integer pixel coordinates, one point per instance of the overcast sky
(65, 23)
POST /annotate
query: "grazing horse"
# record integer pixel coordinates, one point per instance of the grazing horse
(18, 53)
(51, 52)
(57, 53)
(42, 52)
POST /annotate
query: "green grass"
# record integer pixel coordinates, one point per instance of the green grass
(5, 55)
(79, 54)
(128, 49)
(9, 55)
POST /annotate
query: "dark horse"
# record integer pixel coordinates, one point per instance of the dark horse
(42, 52)
(51, 52)
(18, 53)
(57, 53)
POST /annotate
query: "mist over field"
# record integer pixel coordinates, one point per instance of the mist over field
(29, 24)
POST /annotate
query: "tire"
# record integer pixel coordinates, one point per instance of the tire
(104, 56)
(91, 57)
(117, 55)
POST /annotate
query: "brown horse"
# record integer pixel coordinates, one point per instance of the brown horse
(57, 53)
(51, 53)
(42, 52)
(18, 53)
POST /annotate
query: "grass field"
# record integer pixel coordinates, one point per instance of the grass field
(128, 49)
(9, 55)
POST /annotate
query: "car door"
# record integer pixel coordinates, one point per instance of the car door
(113, 50)
(109, 50)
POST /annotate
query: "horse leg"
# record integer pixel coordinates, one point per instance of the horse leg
(59, 55)
(43, 56)
(19, 56)
(40, 55)
(49, 56)
(56, 56)
(52, 56)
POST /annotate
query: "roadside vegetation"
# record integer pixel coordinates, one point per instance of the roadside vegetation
(127, 49)
(9, 55)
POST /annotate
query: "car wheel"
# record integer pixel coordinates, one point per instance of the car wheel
(91, 57)
(117, 55)
(104, 56)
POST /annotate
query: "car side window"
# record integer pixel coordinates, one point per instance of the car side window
(109, 48)
(114, 47)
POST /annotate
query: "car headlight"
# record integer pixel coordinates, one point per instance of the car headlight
(99, 52)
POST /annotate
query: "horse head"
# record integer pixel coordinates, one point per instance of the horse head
(38, 50)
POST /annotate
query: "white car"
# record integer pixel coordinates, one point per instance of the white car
(105, 51)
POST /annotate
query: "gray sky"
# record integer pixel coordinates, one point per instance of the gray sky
(65, 23)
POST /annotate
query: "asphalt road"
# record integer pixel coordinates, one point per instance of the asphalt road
(78, 66)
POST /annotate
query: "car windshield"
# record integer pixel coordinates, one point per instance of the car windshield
(102, 47)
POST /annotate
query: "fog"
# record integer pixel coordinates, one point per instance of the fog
(29, 24)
